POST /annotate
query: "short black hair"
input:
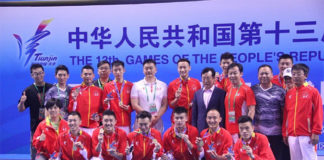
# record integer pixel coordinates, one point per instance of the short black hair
(244, 119)
(227, 55)
(103, 62)
(234, 64)
(179, 110)
(53, 101)
(109, 113)
(118, 63)
(61, 67)
(207, 69)
(149, 61)
(34, 66)
(301, 66)
(264, 65)
(183, 60)
(286, 56)
(144, 114)
(212, 109)
(75, 113)
(87, 67)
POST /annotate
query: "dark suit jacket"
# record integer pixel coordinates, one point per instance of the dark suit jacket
(199, 110)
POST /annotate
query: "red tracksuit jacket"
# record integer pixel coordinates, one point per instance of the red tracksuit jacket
(178, 147)
(88, 103)
(303, 113)
(260, 146)
(123, 117)
(64, 145)
(117, 140)
(47, 147)
(189, 88)
(143, 146)
(221, 141)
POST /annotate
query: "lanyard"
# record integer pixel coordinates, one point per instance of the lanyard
(147, 96)
(119, 93)
(187, 87)
(40, 97)
(99, 83)
(229, 98)
(76, 139)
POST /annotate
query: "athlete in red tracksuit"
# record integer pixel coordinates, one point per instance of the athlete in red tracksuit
(144, 144)
(87, 103)
(219, 141)
(260, 148)
(64, 146)
(188, 88)
(115, 140)
(118, 98)
(303, 118)
(46, 147)
(179, 139)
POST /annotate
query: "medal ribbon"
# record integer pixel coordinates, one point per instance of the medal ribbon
(120, 93)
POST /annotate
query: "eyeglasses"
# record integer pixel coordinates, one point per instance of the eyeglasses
(37, 73)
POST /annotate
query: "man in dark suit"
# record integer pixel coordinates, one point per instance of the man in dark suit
(207, 98)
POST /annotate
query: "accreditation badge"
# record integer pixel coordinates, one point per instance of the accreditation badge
(231, 116)
(41, 114)
(153, 108)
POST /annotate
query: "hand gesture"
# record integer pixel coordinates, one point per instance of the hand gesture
(23, 98)
(42, 137)
(101, 136)
(199, 142)
(75, 93)
(79, 145)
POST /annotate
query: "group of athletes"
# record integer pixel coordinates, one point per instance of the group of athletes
(222, 118)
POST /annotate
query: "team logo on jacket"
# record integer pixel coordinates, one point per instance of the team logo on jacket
(96, 94)
(64, 142)
(305, 95)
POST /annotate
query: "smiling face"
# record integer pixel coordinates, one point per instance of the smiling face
(224, 64)
(235, 75)
(298, 77)
(54, 112)
(74, 122)
(283, 64)
(109, 122)
(183, 69)
(265, 75)
(213, 119)
(62, 76)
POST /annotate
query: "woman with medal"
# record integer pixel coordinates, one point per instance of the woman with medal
(108, 141)
(61, 90)
(48, 130)
(74, 144)
(214, 142)
(239, 100)
(118, 96)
